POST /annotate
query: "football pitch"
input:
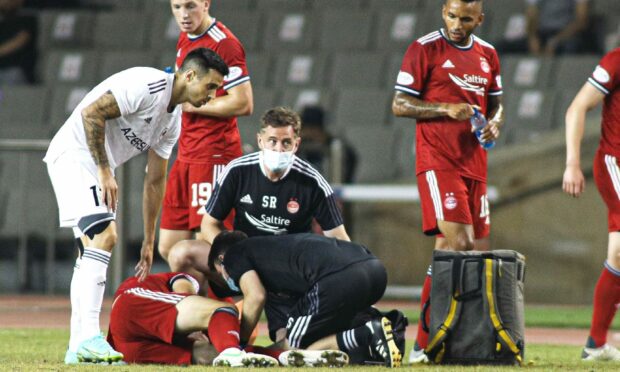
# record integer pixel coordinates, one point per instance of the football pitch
(42, 349)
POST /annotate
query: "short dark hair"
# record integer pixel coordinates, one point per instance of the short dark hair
(468, 1)
(222, 242)
(204, 59)
(279, 117)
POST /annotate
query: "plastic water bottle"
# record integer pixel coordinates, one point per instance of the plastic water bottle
(478, 121)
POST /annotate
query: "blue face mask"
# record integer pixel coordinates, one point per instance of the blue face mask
(231, 284)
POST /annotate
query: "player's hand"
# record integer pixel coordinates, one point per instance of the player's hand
(188, 107)
(143, 268)
(573, 182)
(109, 188)
(461, 111)
(490, 132)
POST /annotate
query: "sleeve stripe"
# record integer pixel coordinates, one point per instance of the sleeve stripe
(598, 86)
(407, 90)
(234, 83)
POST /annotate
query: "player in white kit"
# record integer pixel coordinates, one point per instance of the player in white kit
(131, 112)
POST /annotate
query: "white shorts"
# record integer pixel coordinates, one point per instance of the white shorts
(78, 193)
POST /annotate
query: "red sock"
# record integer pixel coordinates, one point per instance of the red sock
(422, 337)
(274, 353)
(223, 329)
(606, 296)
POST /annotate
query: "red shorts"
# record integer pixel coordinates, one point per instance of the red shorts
(142, 328)
(188, 189)
(447, 196)
(607, 178)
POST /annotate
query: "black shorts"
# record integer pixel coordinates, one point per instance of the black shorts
(332, 304)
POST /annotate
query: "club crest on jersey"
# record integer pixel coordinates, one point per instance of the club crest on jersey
(469, 83)
(484, 65)
(292, 206)
(450, 201)
(601, 75)
(404, 78)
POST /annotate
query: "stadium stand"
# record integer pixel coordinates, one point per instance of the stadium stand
(526, 72)
(23, 112)
(299, 70)
(362, 108)
(289, 31)
(298, 98)
(120, 29)
(396, 29)
(245, 25)
(64, 98)
(71, 66)
(360, 69)
(344, 30)
(115, 61)
(66, 29)
(282, 4)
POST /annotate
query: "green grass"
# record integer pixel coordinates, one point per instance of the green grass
(546, 316)
(43, 350)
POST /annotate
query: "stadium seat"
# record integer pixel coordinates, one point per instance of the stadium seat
(65, 29)
(530, 113)
(526, 72)
(245, 26)
(571, 72)
(116, 61)
(376, 152)
(606, 7)
(298, 98)
(163, 30)
(64, 99)
(344, 30)
(360, 69)
(362, 107)
(397, 29)
(395, 61)
(508, 21)
(23, 112)
(299, 70)
(404, 144)
(64, 66)
(350, 5)
(401, 5)
(289, 31)
(260, 68)
(228, 5)
(121, 29)
(264, 99)
(271, 5)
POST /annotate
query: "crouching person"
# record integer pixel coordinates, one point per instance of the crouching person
(312, 289)
(150, 322)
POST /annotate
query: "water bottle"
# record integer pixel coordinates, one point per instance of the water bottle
(478, 121)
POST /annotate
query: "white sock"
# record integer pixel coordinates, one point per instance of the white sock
(93, 270)
(74, 337)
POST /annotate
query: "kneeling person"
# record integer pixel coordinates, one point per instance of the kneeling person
(151, 320)
(312, 274)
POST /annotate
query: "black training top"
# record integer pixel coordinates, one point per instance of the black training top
(291, 264)
(263, 207)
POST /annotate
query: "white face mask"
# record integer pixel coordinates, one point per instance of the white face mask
(277, 161)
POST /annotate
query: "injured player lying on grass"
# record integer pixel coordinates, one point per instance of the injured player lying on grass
(162, 320)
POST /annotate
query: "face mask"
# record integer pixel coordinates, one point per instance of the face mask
(231, 284)
(277, 161)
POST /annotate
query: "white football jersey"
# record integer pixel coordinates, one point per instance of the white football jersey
(143, 95)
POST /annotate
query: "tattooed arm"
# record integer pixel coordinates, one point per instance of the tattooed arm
(406, 105)
(94, 117)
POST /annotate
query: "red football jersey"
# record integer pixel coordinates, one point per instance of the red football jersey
(205, 138)
(161, 282)
(436, 70)
(606, 78)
